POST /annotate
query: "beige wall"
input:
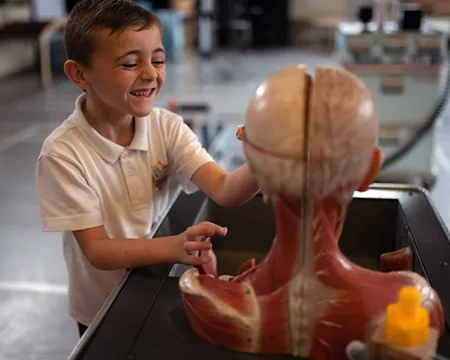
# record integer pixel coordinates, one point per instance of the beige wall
(307, 9)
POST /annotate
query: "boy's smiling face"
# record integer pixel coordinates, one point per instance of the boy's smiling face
(126, 71)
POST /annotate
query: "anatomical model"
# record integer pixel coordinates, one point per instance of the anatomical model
(311, 144)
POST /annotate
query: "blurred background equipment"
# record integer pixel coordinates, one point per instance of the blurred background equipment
(403, 60)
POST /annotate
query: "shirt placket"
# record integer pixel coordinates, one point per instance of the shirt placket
(134, 183)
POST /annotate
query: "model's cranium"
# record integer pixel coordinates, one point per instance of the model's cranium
(330, 119)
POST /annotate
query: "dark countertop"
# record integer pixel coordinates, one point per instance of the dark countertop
(126, 327)
(118, 324)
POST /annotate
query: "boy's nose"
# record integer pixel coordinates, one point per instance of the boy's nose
(149, 73)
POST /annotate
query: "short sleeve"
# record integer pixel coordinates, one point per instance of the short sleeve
(185, 152)
(66, 201)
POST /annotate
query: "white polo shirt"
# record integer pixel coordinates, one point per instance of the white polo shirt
(85, 180)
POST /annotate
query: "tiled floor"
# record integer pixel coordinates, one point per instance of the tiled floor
(33, 318)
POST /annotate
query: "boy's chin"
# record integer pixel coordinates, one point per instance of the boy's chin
(142, 112)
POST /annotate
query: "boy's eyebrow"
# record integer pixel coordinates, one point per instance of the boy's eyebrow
(158, 50)
(131, 52)
(139, 52)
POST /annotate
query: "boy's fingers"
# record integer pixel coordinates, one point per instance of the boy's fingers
(193, 260)
(206, 229)
(198, 260)
(197, 246)
(240, 132)
(199, 239)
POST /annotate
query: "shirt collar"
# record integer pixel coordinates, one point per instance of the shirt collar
(107, 149)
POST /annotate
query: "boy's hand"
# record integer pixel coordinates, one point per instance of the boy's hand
(197, 238)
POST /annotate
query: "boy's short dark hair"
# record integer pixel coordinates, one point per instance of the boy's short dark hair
(88, 16)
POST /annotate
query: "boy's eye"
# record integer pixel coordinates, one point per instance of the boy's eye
(129, 65)
(158, 63)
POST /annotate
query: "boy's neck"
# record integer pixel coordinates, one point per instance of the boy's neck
(116, 128)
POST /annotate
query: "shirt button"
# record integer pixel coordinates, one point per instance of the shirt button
(134, 194)
(131, 172)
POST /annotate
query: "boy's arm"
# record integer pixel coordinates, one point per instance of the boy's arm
(192, 164)
(226, 189)
(68, 203)
(229, 189)
(110, 254)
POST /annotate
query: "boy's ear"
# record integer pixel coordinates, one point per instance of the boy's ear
(76, 73)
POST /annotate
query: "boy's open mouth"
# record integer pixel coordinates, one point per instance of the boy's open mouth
(143, 93)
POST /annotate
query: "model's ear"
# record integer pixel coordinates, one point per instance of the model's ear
(76, 73)
(373, 170)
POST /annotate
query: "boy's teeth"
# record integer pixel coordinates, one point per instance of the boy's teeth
(140, 93)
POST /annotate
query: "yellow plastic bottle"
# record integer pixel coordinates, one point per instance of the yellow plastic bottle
(407, 322)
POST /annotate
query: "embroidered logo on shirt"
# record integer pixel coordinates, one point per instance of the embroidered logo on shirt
(159, 175)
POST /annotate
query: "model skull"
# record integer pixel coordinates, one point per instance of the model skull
(328, 123)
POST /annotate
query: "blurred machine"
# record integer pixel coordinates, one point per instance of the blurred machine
(403, 62)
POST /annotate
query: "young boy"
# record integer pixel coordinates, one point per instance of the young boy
(106, 174)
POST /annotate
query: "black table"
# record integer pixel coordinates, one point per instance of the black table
(144, 319)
